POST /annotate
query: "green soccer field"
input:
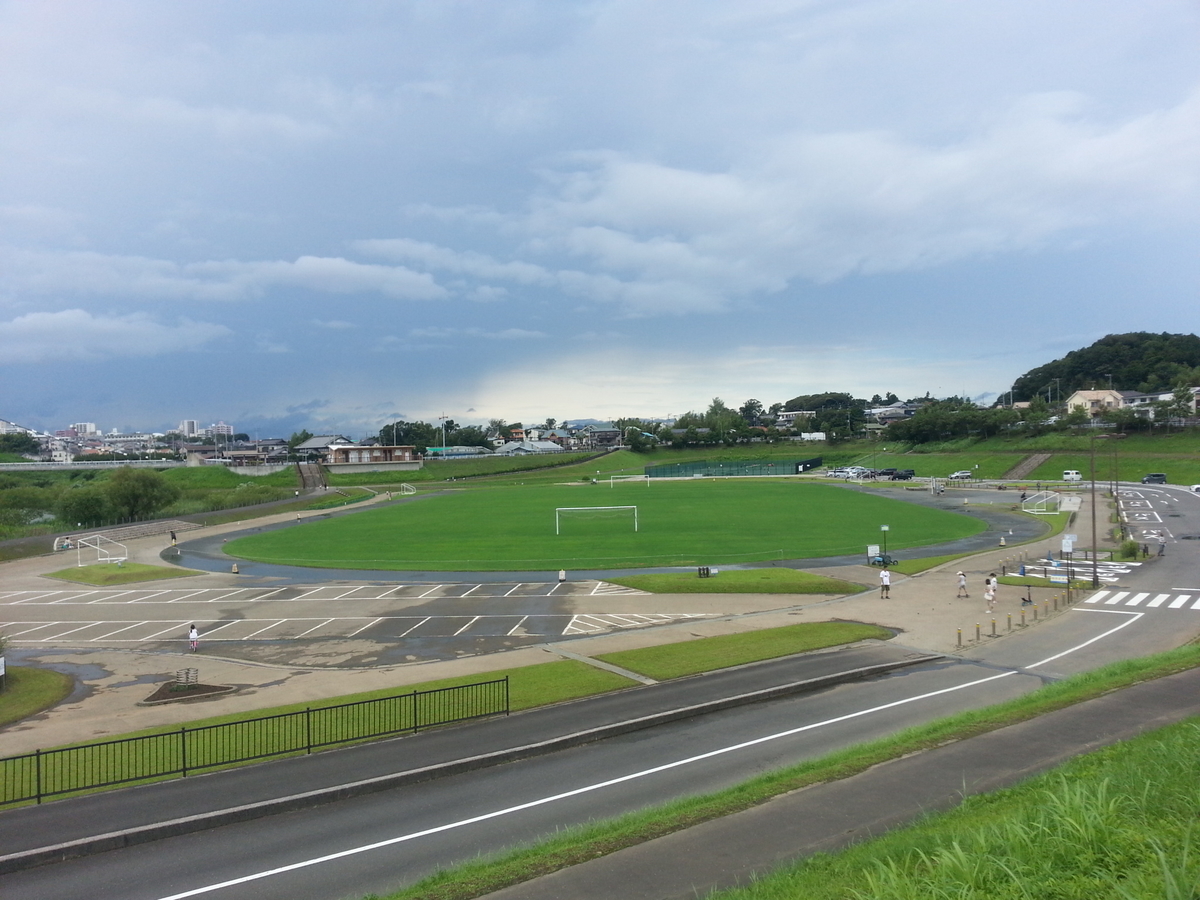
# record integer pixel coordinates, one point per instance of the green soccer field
(680, 523)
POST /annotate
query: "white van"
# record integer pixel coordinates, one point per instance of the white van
(1072, 475)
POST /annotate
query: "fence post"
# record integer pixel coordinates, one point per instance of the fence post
(39, 776)
(415, 709)
(183, 749)
(308, 728)
(507, 706)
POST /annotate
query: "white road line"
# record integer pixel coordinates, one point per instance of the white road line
(1097, 597)
(348, 593)
(150, 596)
(1195, 605)
(1136, 599)
(1179, 601)
(61, 634)
(468, 625)
(1134, 616)
(418, 625)
(576, 792)
(428, 592)
(557, 585)
(1159, 600)
(192, 594)
(309, 591)
(513, 588)
(261, 630)
(468, 593)
(37, 595)
(1116, 598)
(35, 628)
(365, 627)
(228, 594)
(518, 625)
(118, 631)
(178, 626)
(213, 631)
(314, 628)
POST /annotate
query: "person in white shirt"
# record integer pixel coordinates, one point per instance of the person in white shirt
(885, 583)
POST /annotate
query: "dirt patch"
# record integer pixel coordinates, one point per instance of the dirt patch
(171, 692)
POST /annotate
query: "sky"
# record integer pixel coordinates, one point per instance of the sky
(296, 214)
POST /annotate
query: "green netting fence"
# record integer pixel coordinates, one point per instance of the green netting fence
(709, 468)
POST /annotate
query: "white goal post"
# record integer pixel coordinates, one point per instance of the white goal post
(594, 512)
(613, 479)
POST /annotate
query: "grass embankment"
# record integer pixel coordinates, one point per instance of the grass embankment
(1117, 823)
(722, 651)
(679, 523)
(102, 574)
(739, 581)
(29, 691)
(582, 843)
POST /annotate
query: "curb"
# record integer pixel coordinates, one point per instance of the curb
(142, 834)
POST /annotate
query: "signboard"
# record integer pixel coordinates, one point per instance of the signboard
(1070, 537)
(1068, 546)
(1059, 579)
(872, 550)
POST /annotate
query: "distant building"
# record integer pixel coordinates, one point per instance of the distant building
(527, 448)
(370, 456)
(189, 428)
(84, 429)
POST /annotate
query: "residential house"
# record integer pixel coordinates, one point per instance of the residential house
(525, 448)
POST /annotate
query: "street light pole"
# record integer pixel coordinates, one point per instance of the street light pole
(1095, 565)
(884, 529)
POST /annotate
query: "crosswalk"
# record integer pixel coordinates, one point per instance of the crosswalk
(1146, 599)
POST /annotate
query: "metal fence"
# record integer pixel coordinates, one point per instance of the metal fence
(50, 773)
(706, 468)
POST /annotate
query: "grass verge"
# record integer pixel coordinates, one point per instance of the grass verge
(582, 843)
(739, 581)
(102, 574)
(721, 652)
(28, 691)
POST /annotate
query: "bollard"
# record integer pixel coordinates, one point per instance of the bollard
(977, 632)
(993, 627)
(234, 569)
(960, 637)
(1022, 618)
(1056, 602)
(1010, 621)
(1004, 569)
(1035, 612)
(1046, 609)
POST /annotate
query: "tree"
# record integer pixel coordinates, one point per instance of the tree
(139, 493)
(83, 507)
(298, 438)
(18, 443)
(752, 412)
(241, 436)
(1142, 360)
(1180, 404)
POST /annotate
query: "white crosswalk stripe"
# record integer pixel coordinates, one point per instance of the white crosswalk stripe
(1128, 598)
(596, 623)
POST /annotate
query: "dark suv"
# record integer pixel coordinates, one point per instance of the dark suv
(903, 475)
(1154, 478)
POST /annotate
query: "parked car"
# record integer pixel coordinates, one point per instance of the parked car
(904, 475)
(1154, 478)
(1072, 475)
(962, 474)
(837, 473)
(885, 473)
(1196, 488)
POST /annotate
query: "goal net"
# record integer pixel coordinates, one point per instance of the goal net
(564, 513)
(107, 551)
(613, 479)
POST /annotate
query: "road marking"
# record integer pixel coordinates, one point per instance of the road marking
(71, 631)
(518, 625)
(261, 630)
(428, 592)
(1159, 600)
(31, 630)
(1179, 601)
(465, 627)
(514, 587)
(1113, 612)
(1136, 599)
(118, 631)
(164, 631)
(314, 628)
(418, 625)
(1116, 598)
(1097, 597)
(365, 627)
(348, 593)
(575, 792)
(461, 596)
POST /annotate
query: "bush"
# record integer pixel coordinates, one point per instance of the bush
(1128, 550)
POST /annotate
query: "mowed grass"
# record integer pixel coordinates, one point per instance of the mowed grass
(127, 573)
(681, 523)
(721, 652)
(28, 691)
(739, 581)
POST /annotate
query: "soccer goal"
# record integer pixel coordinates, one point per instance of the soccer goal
(613, 479)
(593, 512)
(107, 551)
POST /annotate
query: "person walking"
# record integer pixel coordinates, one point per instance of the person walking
(1162, 543)
(962, 585)
(172, 538)
(885, 583)
(989, 593)
(193, 638)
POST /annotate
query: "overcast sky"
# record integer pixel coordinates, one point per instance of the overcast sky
(289, 214)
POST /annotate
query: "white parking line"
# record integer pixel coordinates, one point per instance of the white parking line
(512, 630)
(513, 588)
(192, 594)
(418, 625)
(314, 628)
(35, 628)
(468, 625)
(261, 630)
(461, 596)
(365, 627)
(63, 634)
(348, 593)
(428, 592)
(118, 631)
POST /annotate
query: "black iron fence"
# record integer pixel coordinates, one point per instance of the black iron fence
(50, 773)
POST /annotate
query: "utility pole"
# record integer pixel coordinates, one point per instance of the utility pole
(1095, 565)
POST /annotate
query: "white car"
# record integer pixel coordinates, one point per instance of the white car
(1196, 488)
(961, 474)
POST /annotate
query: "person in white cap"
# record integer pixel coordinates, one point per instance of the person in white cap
(962, 585)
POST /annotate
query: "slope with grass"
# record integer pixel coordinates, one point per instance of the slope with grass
(680, 523)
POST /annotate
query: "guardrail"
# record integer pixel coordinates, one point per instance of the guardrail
(51, 773)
